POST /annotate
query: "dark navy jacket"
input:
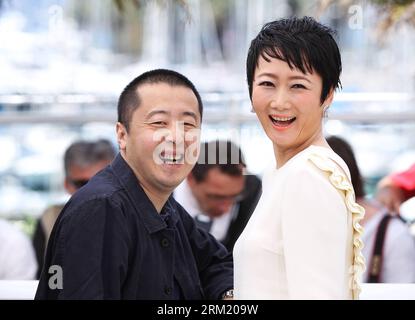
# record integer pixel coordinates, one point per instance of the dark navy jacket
(111, 243)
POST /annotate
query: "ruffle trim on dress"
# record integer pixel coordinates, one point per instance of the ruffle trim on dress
(340, 181)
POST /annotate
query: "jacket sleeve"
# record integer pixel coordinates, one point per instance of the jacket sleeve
(91, 247)
(315, 233)
(214, 262)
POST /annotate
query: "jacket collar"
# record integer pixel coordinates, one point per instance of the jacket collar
(152, 220)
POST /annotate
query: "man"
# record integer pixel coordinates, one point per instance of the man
(218, 194)
(123, 236)
(396, 188)
(82, 160)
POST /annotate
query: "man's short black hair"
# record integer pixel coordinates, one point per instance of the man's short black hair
(129, 99)
(304, 44)
(221, 154)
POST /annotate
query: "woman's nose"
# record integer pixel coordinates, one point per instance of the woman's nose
(280, 100)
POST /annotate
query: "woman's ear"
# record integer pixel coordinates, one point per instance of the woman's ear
(329, 98)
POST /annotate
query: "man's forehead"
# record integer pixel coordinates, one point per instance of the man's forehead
(165, 98)
(156, 88)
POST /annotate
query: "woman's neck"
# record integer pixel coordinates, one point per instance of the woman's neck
(284, 154)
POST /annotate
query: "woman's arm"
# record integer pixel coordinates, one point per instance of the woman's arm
(315, 234)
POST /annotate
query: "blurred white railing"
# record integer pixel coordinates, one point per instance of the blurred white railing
(25, 290)
(368, 107)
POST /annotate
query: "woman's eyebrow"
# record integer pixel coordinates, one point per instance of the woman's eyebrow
(299, 78)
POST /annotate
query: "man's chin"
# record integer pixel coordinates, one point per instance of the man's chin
(171, 182)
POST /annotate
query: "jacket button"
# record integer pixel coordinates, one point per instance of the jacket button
(165, 243)
(168, 290)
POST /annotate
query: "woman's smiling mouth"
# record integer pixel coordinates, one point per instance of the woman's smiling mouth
(281, 122)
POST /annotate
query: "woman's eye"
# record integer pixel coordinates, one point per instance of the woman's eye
(298, 86)
(266, 84)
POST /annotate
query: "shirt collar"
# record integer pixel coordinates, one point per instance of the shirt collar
(184, 195)
(152, 220)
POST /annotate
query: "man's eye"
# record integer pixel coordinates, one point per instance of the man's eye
(189, 125)
(266, 84)
(298, 86)
(159, 123)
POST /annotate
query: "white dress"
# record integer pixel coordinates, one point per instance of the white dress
(303, 239)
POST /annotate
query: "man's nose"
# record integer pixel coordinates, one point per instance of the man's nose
(175, 132)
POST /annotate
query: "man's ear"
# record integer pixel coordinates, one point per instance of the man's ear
(121, 136)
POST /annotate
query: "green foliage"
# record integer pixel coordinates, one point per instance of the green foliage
(393, 2)
(122, 4)
(27, 224)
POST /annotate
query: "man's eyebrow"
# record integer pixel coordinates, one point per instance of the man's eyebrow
(154, 112)
(191, 114)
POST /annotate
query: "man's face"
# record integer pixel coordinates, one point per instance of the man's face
(79, 175)
(218, 192)
(162, 144)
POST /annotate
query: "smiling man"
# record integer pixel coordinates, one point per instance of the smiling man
(123, 236)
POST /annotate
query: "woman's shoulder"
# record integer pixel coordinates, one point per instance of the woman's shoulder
(316, 159)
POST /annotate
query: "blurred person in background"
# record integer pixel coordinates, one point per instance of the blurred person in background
(396, 188)
(17, 257)
(218, 193)
(82, 160)
(389, 247)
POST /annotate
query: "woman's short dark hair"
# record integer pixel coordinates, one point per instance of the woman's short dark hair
(129, 99)
(301, 42)
(345, 151)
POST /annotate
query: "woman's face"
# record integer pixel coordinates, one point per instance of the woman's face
(287, 103)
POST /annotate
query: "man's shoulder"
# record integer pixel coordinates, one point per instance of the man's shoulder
(103, 189)
(103, 185)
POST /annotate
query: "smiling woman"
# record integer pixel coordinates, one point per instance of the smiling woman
(303, 240)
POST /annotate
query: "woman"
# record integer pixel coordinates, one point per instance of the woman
(303, 240)
(389, 247)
